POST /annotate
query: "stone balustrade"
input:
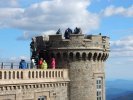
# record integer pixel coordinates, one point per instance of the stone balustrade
(15, 76)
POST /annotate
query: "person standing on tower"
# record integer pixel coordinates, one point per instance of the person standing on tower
(33, 63)
(68, 31)
(22, 64)
(44, 65)
(53, 63)
(58, 32)
(40, 63)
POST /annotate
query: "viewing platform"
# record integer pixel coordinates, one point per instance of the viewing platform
(22, 76)
(32, 83)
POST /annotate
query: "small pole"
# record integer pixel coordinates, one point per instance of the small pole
(28, 66)
(11, 65)
(2, 65)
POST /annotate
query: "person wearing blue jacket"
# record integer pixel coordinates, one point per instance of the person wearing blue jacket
(22, 64)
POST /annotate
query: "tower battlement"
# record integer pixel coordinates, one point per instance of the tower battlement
(76, 41)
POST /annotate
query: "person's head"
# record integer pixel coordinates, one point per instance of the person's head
(41, 58)
(53, 58)
(33, 60)
(22, 60)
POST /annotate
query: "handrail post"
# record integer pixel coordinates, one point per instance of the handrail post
(2, 65)
(11, 65)
(28, 66)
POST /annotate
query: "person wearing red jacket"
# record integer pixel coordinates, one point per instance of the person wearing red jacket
(40, 63)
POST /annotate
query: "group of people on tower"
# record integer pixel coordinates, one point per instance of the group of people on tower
(42, 64)
(69, 31)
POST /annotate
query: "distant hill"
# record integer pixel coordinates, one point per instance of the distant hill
(119, 90)
(125, 96)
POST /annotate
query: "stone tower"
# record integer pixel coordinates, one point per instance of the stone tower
(84, 56)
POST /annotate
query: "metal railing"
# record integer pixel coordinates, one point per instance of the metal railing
(12, 65)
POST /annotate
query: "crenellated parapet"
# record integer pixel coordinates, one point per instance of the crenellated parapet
(79, 46)
(76, 41)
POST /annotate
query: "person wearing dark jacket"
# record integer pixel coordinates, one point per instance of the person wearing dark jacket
(68, 31)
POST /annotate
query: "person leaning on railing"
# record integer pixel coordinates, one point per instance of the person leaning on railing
(33, 65)
(40, 63)
(22, 64)
(44, 65)
(53, 63)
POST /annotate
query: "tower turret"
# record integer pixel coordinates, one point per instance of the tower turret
(84, 56)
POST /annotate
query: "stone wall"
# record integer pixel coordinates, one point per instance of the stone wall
(29, 84)
(52, 91)
(83, 79)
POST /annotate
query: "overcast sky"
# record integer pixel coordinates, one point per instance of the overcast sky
(22, 19)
